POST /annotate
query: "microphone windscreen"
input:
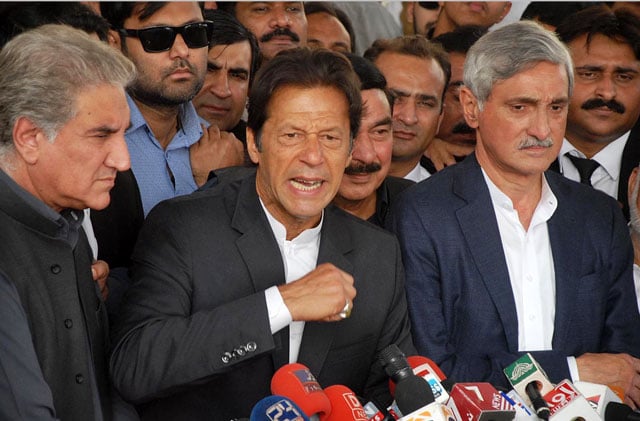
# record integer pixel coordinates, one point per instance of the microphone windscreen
(296, 382)
(277, 408)
(413, 393)
(620, 412)
(345, 405)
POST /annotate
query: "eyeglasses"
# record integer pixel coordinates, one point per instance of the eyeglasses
(161, 38)
(430, 5)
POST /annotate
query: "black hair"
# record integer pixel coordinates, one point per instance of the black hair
(460, 39)
(330, 8)
(228, 30)
(620, 25)
(17, 17)
(305, 68)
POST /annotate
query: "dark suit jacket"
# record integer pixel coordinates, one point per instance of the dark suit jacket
(460, 299)
(630, 160)
(200, 269)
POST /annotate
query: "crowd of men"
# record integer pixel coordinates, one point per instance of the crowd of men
(194, 195)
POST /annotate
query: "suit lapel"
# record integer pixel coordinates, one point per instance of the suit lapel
(318, 337)
(480, 229)
(563, 232)
(630, 160)
(261, 254)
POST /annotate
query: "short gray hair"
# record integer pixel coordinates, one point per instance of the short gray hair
(42, 71)
(511, 49)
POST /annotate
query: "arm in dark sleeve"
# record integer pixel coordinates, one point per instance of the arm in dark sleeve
(24, 393)
(161, 343)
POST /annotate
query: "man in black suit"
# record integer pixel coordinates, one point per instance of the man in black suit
(260, 272)
(605, 105)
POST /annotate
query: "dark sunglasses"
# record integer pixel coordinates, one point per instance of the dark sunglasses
(161, 38)
(430, 5)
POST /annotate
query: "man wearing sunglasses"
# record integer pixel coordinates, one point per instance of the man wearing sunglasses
(171, 151)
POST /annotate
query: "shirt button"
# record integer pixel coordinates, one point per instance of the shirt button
(532, 317)
(251, 347)
(68, 323)
(56, 269)
(79, 378)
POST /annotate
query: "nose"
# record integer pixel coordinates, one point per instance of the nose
(405, 111)
(179, 49)
(363, 149)
(118, 156)
(540, 127)
(606, 88)
(312, 153)
(220, 84)
(280, 18)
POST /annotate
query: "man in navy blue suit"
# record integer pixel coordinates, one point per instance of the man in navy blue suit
(504, 258)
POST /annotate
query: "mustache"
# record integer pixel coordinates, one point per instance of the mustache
(362, 168)
(612, 104)
(531, 141)
(462, 128)
(279, 32)
(181, 64)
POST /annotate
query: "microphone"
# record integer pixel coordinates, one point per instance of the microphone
(567, 404)
(277, 408)
(525, 370)
(480, 402)
(375, 414)
(433, 412)
(345, 405)
(537, 401)
(620, 412)
(598, 395)
(412, 392)
(296, 382)
(429, 370)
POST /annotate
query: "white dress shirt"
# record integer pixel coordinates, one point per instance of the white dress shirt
(299, 256)
(418, 173)
(529, 261)
(607, 176)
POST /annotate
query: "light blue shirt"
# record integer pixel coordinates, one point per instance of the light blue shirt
(162, 174)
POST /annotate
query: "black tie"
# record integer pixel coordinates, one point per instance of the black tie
(585, 167)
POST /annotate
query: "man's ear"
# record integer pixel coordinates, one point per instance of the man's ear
(27, 138)
(113, 37)
(252, 148)
(469, 107)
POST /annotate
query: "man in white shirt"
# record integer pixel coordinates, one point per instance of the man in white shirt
(605, 105)
(503, 258)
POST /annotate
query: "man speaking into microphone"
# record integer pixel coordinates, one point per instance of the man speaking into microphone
(233, 282)
(502, 257)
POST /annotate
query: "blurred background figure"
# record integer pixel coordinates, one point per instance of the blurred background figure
(329, 27)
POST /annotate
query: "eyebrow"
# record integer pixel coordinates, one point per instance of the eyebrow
(617, 69)
(533, 101)
(383, 122)
(101, 130)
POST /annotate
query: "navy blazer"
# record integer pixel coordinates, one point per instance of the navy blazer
(460, 300)
(193, 340)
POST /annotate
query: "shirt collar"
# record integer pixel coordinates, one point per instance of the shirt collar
(544, 210)
(190, 122)
(609, 158)
(279, 231)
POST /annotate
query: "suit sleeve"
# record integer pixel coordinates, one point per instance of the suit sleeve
(24, 393)
(161, 344)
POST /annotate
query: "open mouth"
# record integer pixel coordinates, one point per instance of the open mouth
(306, 185)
